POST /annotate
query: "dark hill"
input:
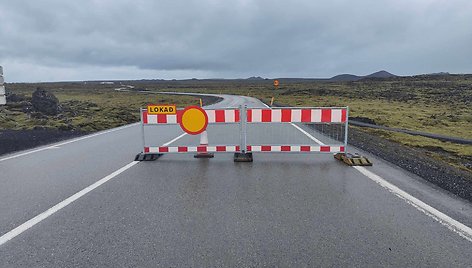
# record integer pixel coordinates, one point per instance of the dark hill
(380, 74)
(351, 77)
(345, 77)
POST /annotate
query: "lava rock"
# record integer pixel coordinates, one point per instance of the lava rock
(11, 97)
(45, 102)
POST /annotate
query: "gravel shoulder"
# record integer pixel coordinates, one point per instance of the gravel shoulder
(416, 161)
(18, 140)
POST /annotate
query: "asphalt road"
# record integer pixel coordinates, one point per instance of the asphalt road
(281, 210)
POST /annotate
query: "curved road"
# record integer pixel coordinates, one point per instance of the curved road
(84, 203)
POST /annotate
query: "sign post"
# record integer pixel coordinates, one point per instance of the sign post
(3, 98)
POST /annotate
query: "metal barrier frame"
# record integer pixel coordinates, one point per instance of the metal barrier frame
(243, 148)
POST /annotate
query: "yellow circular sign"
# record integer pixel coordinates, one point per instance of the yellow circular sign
(194, 120)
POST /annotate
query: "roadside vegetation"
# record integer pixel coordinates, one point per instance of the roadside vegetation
(439, 104)
(83, 107)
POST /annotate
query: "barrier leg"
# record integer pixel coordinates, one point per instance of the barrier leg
(243, 155)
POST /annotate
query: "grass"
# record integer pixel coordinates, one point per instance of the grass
(85, 108)
(434, 104)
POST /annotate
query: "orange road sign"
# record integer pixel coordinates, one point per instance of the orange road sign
(276, 83)
(161, 109)
(194, 120)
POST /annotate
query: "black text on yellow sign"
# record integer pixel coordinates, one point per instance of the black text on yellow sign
(161, 109)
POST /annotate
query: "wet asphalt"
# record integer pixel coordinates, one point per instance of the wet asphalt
(291, 210)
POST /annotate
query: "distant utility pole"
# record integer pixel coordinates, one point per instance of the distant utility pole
(3, 98)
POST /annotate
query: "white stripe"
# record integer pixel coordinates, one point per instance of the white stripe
(256, 148)
(315, 115)
(276, 115)
(256, 115)
(151, 119)
(68, 142)
(315, 148)
(154, 149)
(450, 223)
(308, 134)
(172, 119)
(457, 227)
(174, 140)
(25, 226)
(229, 116)
(336, 115)
(335, 149)
(173, 149)
(276, 148)
(211, 148)
(295, 148)
(192, 149)
(231, 148)
(211, 116)
(296, 115)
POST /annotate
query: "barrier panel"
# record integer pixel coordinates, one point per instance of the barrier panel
(246, 130)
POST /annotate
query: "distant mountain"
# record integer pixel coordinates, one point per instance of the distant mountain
(380, 74)
(345, 77)
(255, 78)
(351, 77)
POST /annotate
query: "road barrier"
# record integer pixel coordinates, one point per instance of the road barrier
(243, 131)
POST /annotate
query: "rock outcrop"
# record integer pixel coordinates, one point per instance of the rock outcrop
(45, 102)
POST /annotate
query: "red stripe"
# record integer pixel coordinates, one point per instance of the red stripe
(343, 115)
(266, 115)
(237, 148)
(325, 149)
(145, 119)
(304, 148)
(266, 148)
(182, 149)
(286, 115)
(341, 149)
(163, 149)
(179, 116)
(249, 116)
(146, 149)
(306, 115)
(201, 149)
(285, 148)
(236, 115)
(219, 116)
(221, 148)
(161, 118)
(326, 115)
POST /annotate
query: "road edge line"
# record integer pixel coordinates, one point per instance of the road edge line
(453, 225)
(55, 145)
(32, 222)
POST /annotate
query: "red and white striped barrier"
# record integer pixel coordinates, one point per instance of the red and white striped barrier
(316, 115)
(312, 115)
(250, 148)
(214, 116)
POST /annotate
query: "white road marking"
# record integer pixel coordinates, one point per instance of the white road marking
(32, 222)
(174, 140)
(308, 134)
(301, 130)
(453, 225)
(65, 143)
(450, 223)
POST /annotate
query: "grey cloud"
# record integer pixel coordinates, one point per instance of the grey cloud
(302, 38)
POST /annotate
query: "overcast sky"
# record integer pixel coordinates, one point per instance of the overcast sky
(56, 40)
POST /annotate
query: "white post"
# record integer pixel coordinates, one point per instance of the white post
(3, 98)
